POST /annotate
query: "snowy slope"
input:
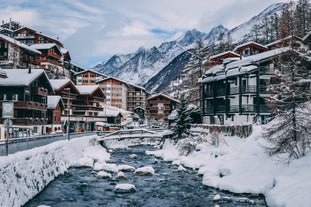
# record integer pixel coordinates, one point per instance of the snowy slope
(241, 33)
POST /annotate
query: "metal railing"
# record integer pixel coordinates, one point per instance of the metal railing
(20, 144)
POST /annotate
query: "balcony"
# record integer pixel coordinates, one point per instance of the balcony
(266, 71)
(245, 108)
(54, 55)
(40, 91)
(22, 37)
(28, 121)
(30, 105)
(158, 101)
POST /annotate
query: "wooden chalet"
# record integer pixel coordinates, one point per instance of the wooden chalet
(29, 36)
(237, 93)
(51, 59)
(88, 77)
(136, 100)
(218, 59)
(56, 107)
(250, 48)
(160, 106)
(83, 102)
(69, 93)
(28, 90)
(14, 54)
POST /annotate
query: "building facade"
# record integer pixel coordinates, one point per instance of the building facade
(88, 77)
(160, 107)
(28, 90)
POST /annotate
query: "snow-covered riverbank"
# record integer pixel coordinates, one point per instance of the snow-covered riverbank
(238, 165)
(24, 174)
(242, 166)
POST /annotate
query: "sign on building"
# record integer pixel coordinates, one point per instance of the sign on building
(7, 110)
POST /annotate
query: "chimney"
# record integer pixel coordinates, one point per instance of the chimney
(29, 69)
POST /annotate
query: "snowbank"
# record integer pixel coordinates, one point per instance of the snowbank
(242, 166)
(24, 174)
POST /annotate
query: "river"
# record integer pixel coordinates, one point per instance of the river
(168, 187)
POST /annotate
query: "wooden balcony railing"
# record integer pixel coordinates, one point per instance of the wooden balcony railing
(30, 105)
(28, 121)
(245, 108)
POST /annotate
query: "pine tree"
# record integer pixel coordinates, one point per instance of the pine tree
(183, 122)
(289, 132)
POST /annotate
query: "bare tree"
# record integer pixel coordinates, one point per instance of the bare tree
(289, 132)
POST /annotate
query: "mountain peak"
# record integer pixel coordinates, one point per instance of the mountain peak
(190, 37)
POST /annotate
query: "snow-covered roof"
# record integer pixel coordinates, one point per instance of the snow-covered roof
(224, 53)
(245, 65)
(18, 43)
(58, 83)
(88, 70)
(43, 46)
(87, 89)
(20, 77)
(109, 77)
(136, 86)
(3, 74)
(249, 43)
(109, 113)
(258, 57)
(306, 36)
(53, 101)
(166, 96)
(284, 39)
(63, 50)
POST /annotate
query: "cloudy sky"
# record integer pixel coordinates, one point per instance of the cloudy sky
(94, 30)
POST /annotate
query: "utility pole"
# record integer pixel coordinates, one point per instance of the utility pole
(68, 115)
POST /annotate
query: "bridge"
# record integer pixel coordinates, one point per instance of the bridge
(131, 137)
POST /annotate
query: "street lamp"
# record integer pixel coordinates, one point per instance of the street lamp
(68, 115)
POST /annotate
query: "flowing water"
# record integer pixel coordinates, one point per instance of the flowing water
(168, 187)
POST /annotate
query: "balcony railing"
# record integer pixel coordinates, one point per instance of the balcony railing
(159, 101)
(245, 108)
(28, 121)
(40, 91)
(30, 105)
(250, 89)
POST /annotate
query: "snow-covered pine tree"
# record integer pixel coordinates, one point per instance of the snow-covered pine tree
(289, 132)
(182, 125)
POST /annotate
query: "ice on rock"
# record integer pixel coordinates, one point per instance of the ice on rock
(217, 197)
(121, 176)
(128, 168)
(108, 167)
(144, 171)
(181, 168)
(85, 162)
(125, 188)
(103, 174)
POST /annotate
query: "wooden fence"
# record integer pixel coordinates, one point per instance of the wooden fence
(227, 130)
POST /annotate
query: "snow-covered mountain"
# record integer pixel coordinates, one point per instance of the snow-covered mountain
(242, 32)
(144, 67)
(141, 66)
